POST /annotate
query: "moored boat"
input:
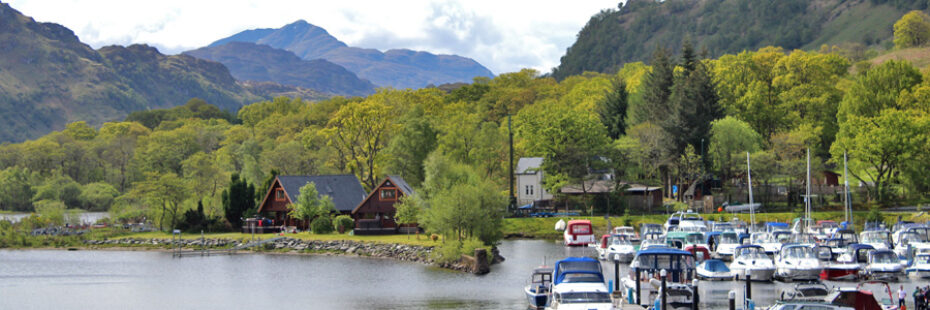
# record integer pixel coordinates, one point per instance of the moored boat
(797, 262)
(750, 260)
(920, 266)
(537, 288)
(579, 233)
(883, 265)
(714, 269)
(578, 283)
(848, 265)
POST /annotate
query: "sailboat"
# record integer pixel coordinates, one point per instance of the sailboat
(746, 207)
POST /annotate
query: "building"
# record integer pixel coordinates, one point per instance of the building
(636, 196)
(375, 214)
(529, 177)
(345, 190)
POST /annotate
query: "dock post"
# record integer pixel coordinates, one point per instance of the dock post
(696, 299)
(748, 295)
(662, 274)
(732, 297)
(616, 275)
(638, 302)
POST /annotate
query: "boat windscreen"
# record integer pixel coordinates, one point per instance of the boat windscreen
(799, 252)
(581, 277)
(730, 238)
(885, 258)
(586, 265)
(583, 298)
(922, 259)
(716, 266)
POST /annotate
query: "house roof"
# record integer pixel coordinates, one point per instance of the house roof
(528, 165)
(401, 184)
(345, 189)
(605, 186)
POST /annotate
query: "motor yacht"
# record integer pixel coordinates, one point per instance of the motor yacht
(751, 260)
(797, 262)
(714, 269)
(883, 265)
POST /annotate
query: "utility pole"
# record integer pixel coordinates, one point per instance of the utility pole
(513, 199)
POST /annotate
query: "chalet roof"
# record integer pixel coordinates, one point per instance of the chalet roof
(345, 189)
(528, 165)
(401, 184)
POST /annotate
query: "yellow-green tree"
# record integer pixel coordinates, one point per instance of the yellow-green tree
(912, 30)
(360, 132)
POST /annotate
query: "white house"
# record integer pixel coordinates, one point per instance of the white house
(529, 181)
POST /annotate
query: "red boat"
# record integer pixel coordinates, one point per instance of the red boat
(579, 232)
(847, 265)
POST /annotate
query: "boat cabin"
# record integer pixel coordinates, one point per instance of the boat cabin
(579, 232)
(375, 214)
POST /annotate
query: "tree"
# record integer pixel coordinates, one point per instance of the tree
(238, 200)
(408, 210)
(164, 192)
(657, 88)
(310, 204)
(98, 196)
(693, 103)
(731, 138)
(59, 188)
(461, 204)
(878, 89)
(359, 132)
(912, 30)
(15, 190)
(411, 145)
(613, 109)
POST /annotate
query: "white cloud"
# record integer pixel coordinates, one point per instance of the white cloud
(504, 36)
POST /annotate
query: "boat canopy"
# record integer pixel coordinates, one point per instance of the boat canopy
(716, 265)
(578, 269)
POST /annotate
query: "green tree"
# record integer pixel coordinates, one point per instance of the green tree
(461, 204)
(913, 29)
(310, 204)
(238, 200)
(413, 142)
(360, 132)
(59, 188)
(98, 196)
(657, 88)
(16, 191)
(163, 193)
(878, 89)
(408, 210)
(730, 139)
(693, 103)
(613, 109)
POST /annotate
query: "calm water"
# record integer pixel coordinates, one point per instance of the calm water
(85, 217)
(40, 279)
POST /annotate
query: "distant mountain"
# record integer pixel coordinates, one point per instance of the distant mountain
(48, 78)
(614, 37)
(398, 68)
(256, 62)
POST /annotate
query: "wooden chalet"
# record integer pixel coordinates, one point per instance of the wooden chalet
(345, 190)
(375, 214)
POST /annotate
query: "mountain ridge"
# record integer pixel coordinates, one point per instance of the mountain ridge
(393, 68)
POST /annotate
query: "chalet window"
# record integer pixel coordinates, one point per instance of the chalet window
(531, 190)
(388, 194)
(527, 190)
(279, 194)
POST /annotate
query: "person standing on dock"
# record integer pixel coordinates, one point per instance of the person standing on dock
(901, 298)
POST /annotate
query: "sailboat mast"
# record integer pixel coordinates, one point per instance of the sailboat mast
(846, 204)
(752, 211)
(807, 198)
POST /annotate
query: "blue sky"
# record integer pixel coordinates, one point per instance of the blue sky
(505, 36)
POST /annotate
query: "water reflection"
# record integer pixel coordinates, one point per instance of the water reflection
(154, 280)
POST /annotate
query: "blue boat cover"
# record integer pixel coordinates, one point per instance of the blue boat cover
(578, 266)
(526, 206)
(777, 224)
(715, 265)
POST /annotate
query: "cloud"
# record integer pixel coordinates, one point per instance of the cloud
(504, 36)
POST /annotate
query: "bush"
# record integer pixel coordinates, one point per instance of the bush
(322, 225)
(469, 246)
(434, 237)
(448, 252)
(344, 221)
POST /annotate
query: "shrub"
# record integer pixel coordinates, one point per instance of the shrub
(434, 237)
(448, 252)
(322, 225)
(344, 221)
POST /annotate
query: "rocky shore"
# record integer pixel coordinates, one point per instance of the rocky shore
(401, 252)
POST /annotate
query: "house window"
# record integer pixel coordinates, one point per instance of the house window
(527, 190)
(279, 194)
(531, 190)
(388, 194)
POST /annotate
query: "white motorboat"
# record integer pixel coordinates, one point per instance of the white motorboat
(578, 283)
(920, 266)
(765, 240)
(676, 265)
(878, 239)
(805, 291)
(848, 265)
(620, 249)
(537, 288)
(750, 260)
(883, 265)
(726, 245)
(713, 269)
(627, 231)
(679, 297)
(686, 221)
(797, 262)
(579, 233)
(743, 207)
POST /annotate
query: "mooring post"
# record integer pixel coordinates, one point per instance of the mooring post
(616, 275)
(635, 271)
(732, 297)
(748, 295)
(664, 290)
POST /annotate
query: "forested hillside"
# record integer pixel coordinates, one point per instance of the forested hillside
(48, 78)
(630, 33)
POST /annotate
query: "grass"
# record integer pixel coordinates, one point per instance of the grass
(918, 56)
(544, 228)
(392, 239)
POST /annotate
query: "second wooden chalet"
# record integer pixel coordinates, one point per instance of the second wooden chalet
(375, 214)
(345, 190)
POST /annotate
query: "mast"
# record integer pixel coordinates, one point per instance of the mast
(807, 197)
(752, 211)
(847, 206)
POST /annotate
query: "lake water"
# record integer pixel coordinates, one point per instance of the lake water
(51, 279)
(85, 217)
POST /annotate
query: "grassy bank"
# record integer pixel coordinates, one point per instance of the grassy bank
(544, 228)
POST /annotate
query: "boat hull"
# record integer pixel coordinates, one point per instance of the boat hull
(793, 274)
(761, 275)
(840, 274)
(536, 301)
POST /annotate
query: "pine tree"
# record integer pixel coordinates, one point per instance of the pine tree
(613, 110)
(693, 104)
(657, 88)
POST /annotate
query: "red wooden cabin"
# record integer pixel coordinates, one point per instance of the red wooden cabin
(375, 214)
(345, 190)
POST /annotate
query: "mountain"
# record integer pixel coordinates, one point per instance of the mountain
(398, 68)
(48, 78)
(614, 37)
(256, 62)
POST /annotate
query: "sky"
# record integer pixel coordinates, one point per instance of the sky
(504, 36)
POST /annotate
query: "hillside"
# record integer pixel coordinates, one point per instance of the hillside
(614, 37)
(398, 68)
(48, 78)
(255, 62)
